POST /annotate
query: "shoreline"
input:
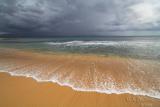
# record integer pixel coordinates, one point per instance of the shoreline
(79, 90)
(90, 72)
(59, 68)
(27, 92)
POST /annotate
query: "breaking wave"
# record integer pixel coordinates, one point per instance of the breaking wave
(106, 43)
(136, 49)
(109, 90)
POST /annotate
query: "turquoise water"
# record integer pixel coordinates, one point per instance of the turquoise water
(137, 47)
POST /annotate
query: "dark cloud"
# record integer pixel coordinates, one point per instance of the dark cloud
(78, 17)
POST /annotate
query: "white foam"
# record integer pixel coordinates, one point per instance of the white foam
(129, 90)
(105, 43)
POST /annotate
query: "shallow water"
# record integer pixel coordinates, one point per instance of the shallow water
(137, 72)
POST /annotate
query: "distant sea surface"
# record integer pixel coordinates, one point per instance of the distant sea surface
(136, 47)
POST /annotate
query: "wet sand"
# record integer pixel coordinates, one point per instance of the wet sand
(17, 91)
(26, 92)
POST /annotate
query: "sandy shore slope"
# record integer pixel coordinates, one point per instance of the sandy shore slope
(16, 91)
(26, 92)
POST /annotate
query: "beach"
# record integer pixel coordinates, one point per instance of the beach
(79, 53)
(26, 92)
(74, 80)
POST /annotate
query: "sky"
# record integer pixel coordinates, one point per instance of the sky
(79, 17)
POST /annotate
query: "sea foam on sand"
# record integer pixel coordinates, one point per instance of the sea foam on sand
(87, 72)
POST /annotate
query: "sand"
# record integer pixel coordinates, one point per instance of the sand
(19, 91)
(26, 92)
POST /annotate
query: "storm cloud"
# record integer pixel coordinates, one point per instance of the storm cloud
(78, 17)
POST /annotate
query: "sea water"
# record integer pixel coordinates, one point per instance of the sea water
(143, 64)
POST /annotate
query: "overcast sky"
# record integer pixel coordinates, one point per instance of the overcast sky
(79, 17)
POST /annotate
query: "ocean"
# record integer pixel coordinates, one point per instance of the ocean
(137, 47)
(135, 61)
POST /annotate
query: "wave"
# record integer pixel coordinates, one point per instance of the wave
(130, 90)
(108, 86)
(136, 49)
(106, 43)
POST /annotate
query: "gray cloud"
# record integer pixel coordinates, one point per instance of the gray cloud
(78, 17)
